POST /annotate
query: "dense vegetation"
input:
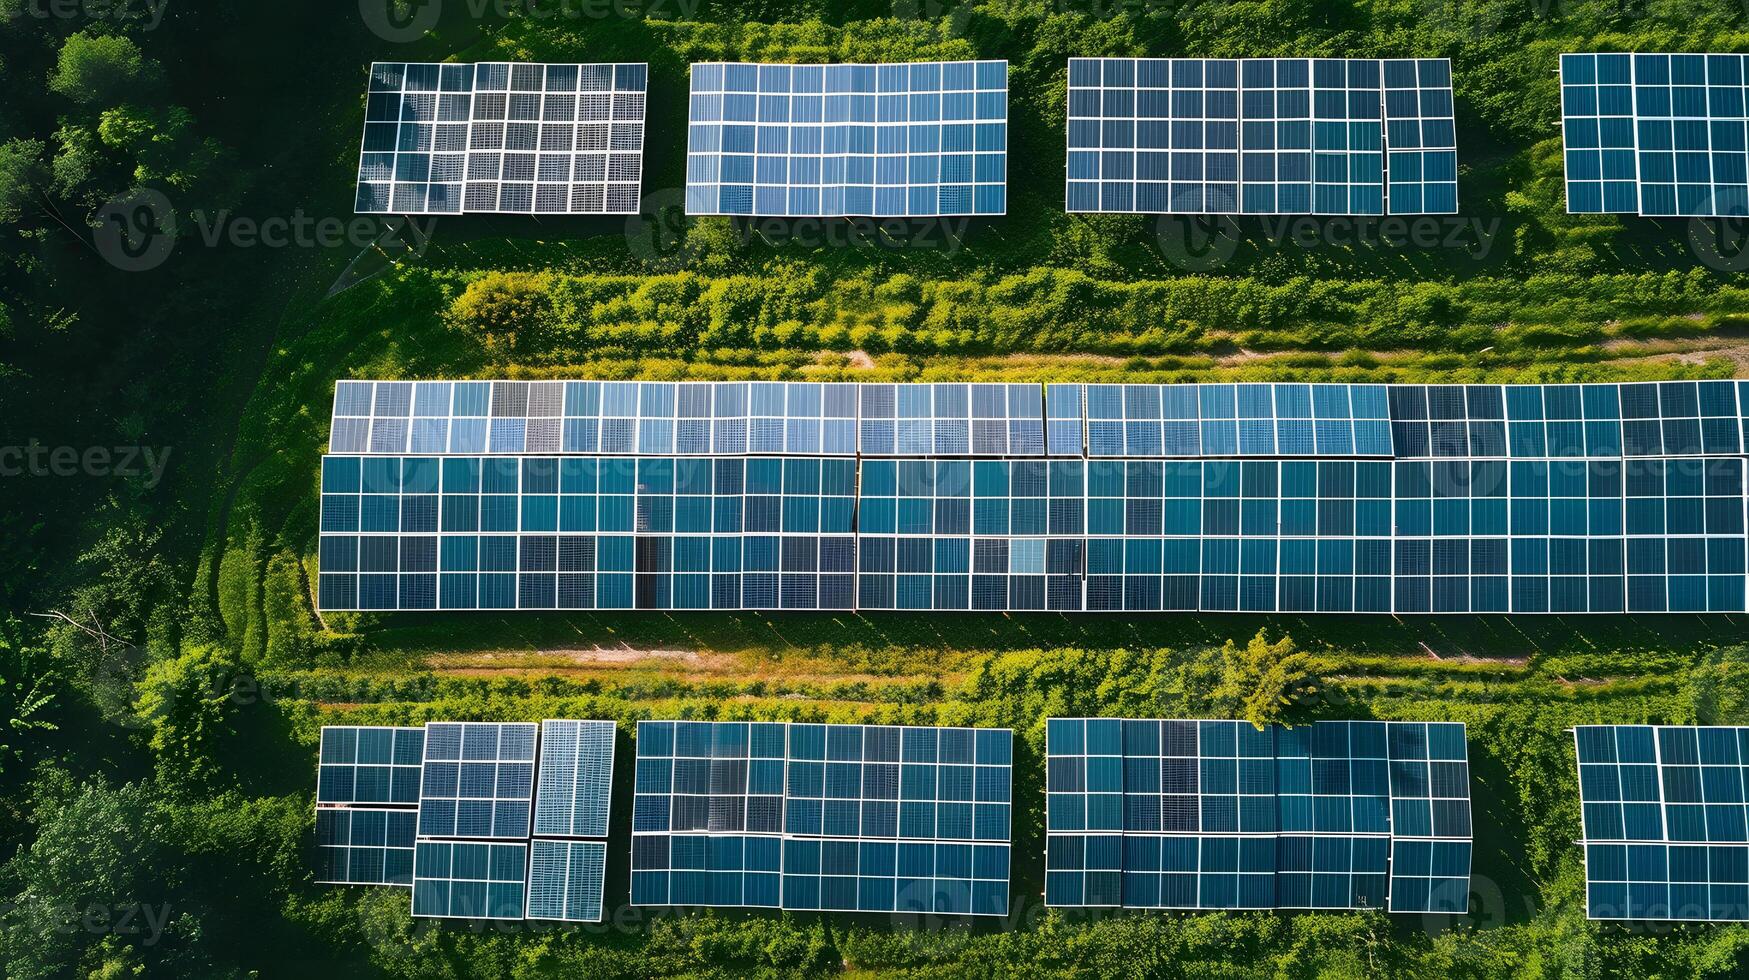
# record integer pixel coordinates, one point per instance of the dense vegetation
(163, 676)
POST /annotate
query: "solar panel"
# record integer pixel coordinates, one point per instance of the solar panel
(1219, 497)
(888, 140)
(803, 816)
(1218, 814)
(502, 138)
(1663, 820)
(364, 846)
(565, 880)
(1261, 136)
(478, 781)
(576, 779)
(369, 764)
(1655, 134)
(469, 880)
(578, 533)
(610, 418)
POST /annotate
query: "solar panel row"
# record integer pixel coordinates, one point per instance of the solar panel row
(883, 140)
(1218, 814)
(1655, 134)
(388, 797)
(1521, 535)
(1665, 832)
(1673, 418)
(803, 816)
(503, 138)
(1261, 136)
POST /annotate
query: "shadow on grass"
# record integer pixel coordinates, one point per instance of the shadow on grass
(780, 632)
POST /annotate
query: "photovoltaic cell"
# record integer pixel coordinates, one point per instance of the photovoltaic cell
(369, 764)
(576, 779)
(803, 816)
(565, 880)
(1218, 814)
(365, 846)
(1655, 134)
(468, 880)
(1664, 822)
(1219, 497)
(887, 140)
(502, 138)
(478, 781)
(1261, 136)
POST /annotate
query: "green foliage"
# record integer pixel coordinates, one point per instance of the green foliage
(102, 70)
(1719, 687)
(509, 313)
(30, 683)
(192, 704)
(1260, 682)
(20, 176)
(97, 851)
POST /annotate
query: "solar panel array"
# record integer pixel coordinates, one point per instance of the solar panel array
(1261, 136)
(1664, 821)
(1253, 497)
(367, 794)
(1218, 814)
(888, 140)
(568, 860)
(503, 138)
(475, 800)
(800, 816)
(1655, 134)
(455, 811)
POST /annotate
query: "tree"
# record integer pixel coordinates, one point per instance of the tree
(1260, 681)
(102, 70)
(508, 312)
(97, 850)
(20, 174)
(191, 704)
(29, 686)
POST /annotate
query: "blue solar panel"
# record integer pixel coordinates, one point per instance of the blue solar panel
(365, 846)
(802, 816)
(478, 780)
(458, 880)
(1216, 497)
(369, 764)
(1655, 134)
(1261, 136)
(1664, 821)
(576, 779)
(888, 140)
(1218, 814)
(565, 880)
(502, 138)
